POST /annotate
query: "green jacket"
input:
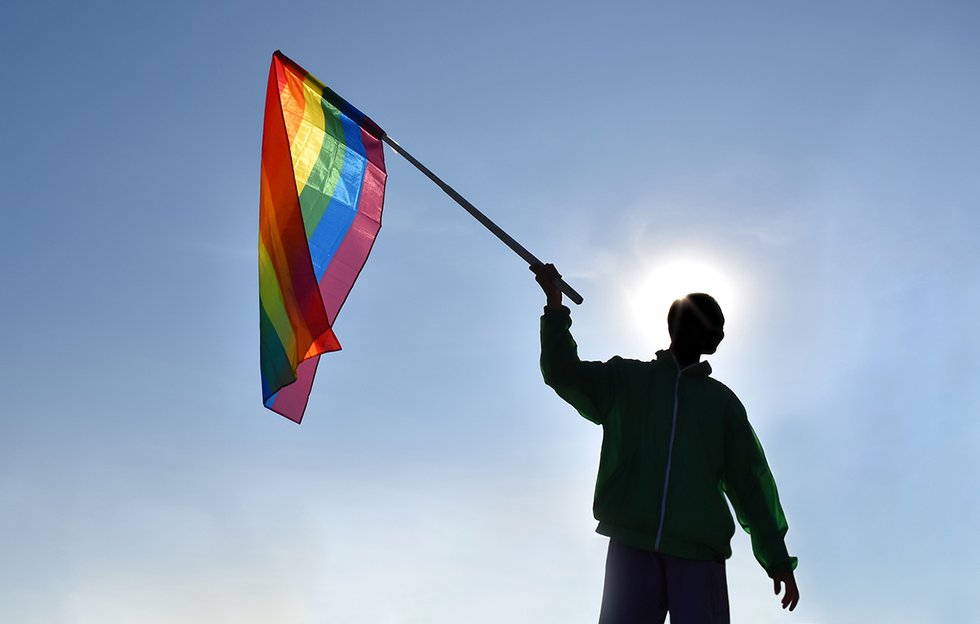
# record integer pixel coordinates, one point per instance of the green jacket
(674, 443)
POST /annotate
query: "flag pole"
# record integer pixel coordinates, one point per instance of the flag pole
(479, 216)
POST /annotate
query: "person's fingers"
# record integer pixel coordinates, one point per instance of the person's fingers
(775, 586)
(545, 272)
(792, 595)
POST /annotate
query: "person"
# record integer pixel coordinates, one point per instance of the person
(675, 442)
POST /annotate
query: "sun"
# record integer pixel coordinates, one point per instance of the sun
(669, 279)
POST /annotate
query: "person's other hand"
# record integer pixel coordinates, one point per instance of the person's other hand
(547, 277)
(792, 595)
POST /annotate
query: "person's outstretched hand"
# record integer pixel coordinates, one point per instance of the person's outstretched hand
(792, 595)
(547, 277)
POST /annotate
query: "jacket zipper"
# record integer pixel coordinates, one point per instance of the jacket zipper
(670, 452)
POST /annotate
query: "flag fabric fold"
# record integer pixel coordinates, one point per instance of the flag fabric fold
(321, 197)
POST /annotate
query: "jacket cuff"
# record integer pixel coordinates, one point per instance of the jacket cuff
(788, 564)
(559, 310)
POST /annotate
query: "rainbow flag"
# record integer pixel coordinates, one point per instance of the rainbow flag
(322, 191)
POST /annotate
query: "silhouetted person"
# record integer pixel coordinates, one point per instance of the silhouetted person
(674, 443)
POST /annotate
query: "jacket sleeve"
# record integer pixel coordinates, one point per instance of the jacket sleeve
(750, 487)
(587, 386)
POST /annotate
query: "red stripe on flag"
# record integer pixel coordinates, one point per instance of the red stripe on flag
(283, 234)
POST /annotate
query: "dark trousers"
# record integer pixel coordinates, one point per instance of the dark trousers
(642, 586)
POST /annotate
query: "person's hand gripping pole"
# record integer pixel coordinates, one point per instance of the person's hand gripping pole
(550, 281)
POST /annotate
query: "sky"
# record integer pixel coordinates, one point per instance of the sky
(814, 164)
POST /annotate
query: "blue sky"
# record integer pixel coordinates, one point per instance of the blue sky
(821, 157)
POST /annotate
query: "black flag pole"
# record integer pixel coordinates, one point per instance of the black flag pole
(479, 216)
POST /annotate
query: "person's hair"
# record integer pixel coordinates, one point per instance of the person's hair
(700, 307)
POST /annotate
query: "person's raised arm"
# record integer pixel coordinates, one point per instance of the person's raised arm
(587, 386)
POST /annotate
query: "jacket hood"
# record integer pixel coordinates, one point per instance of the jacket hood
(666, 358)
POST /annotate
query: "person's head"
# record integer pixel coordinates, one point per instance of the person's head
(696, 323)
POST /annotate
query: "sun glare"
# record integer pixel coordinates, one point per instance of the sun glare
(672, 278)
